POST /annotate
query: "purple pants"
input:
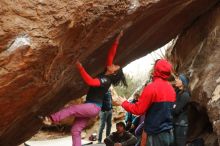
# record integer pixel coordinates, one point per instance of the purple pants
(82, 113)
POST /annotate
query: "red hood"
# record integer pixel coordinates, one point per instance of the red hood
(162, 69)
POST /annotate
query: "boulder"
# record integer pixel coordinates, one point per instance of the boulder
(197, 53)
(40, 41)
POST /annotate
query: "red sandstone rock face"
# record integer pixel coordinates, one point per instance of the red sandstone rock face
(198, 49)
(38, 76)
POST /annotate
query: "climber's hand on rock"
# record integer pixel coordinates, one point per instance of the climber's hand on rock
(78, 64)
(120, 35)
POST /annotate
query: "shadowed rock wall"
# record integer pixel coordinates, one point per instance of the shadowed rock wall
(198, 50)
(41, 40)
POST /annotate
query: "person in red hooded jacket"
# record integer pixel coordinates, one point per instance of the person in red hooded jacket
(156, 102)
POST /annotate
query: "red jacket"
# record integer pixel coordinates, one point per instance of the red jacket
(99, 85)
(95, 82)
(155, 98)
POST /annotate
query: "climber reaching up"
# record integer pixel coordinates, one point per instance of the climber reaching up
(113, 75)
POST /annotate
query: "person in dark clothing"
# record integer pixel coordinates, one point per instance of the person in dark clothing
(113, 75)
(156, 102)
(105, 115)
(180, 110)
(121, 137)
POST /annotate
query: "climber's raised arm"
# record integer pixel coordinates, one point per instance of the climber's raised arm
(86, 77)
(112, 51)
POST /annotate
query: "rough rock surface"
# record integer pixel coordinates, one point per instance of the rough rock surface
(40, 40)
(197, 49)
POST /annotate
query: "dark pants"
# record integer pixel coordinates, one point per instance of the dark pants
(105, 118)
(162, 139)
(180, 135)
